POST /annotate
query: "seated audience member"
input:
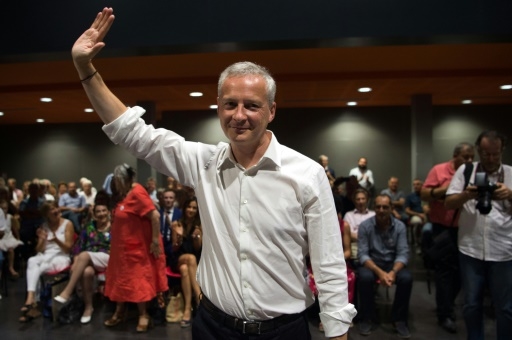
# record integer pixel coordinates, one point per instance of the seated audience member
(30, 219)
(187, 245)
(5, 195)
(91, 254)
(414, 210)
(151, 189)
(44, 187)
(346, 186)
(397, 199)
(351, 277)
(355, 217)
(9, 236)
(383, 254)
(17, 194)
(168, 214)
(62, 188)
(54, 242)
(88, 193)
(72, 205)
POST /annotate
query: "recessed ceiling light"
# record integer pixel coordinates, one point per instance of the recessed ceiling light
(1, 113)
(88, 110)
(214, 106)
(196, 94)
(46, 100)
(352, 103)
(467, 101)
(40, 120)
(365, 89)
(506, 87)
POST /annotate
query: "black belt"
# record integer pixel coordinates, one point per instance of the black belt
(244, 326)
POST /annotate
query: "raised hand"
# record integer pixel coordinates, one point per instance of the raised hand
(91, 41)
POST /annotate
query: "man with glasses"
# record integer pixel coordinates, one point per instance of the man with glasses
(383, 253)
(485, 237)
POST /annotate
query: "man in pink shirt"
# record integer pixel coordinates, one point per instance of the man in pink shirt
(447, 276)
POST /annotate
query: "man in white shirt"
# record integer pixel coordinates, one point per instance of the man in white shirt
(364, 175)
(485, 236)
(263, 206)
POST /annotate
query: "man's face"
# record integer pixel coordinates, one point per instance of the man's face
(465, 156)
(324, 161)
(151, 185)
(416, 185)
(72, 188)
(362, 163)
(243, 109)
(361, 201)
(393, 183)
(169, 198)
(382, 210)
(490, 154)
(11, 184)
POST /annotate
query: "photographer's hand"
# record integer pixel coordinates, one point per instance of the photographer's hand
(502, 192)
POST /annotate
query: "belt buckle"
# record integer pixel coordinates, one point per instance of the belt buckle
(249, 330)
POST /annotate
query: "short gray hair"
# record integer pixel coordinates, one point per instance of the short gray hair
(245, 68)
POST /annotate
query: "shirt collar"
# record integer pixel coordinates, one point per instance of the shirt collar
(272, 155)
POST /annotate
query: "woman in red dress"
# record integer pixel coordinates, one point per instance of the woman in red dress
(136, 268)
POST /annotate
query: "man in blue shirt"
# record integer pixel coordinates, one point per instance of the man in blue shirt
(383, 253)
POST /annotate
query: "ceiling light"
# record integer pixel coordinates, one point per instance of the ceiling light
(467, 101)
(214, 106)
(40, 120)
(196, 94)
(46, 100)
(506, 87)
(88, 110)
(1, 113)
(365, 89)
(352, 103)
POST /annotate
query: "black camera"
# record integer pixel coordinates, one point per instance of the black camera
(485, 190)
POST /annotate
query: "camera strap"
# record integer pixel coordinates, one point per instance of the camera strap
(501, 174)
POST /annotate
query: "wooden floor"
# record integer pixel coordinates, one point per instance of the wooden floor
(422, 319)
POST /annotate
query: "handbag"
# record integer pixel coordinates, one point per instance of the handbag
(71, 311)
(174, 309)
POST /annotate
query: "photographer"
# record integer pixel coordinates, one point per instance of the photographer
(485, 237)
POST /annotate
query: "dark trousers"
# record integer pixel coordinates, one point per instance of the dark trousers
(205, 327)
(366, 285)
(447, 275)
(476, 275)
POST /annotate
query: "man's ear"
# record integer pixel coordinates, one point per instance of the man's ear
(272, 112)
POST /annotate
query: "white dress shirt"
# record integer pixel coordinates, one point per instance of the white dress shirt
(366, 183)
(484, 237)
(259, 224)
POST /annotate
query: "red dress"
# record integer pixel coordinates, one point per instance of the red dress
(133, 274)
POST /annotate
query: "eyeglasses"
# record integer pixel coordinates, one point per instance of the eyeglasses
(484, 154)
(383, 207)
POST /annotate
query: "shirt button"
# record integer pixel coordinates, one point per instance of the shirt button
(244, 257)
(246, 285)
(245, 201)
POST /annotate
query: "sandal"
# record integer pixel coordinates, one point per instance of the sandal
(114, 320)
(31, 314)
(185, 323)
(143, 327)
(26, 308)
